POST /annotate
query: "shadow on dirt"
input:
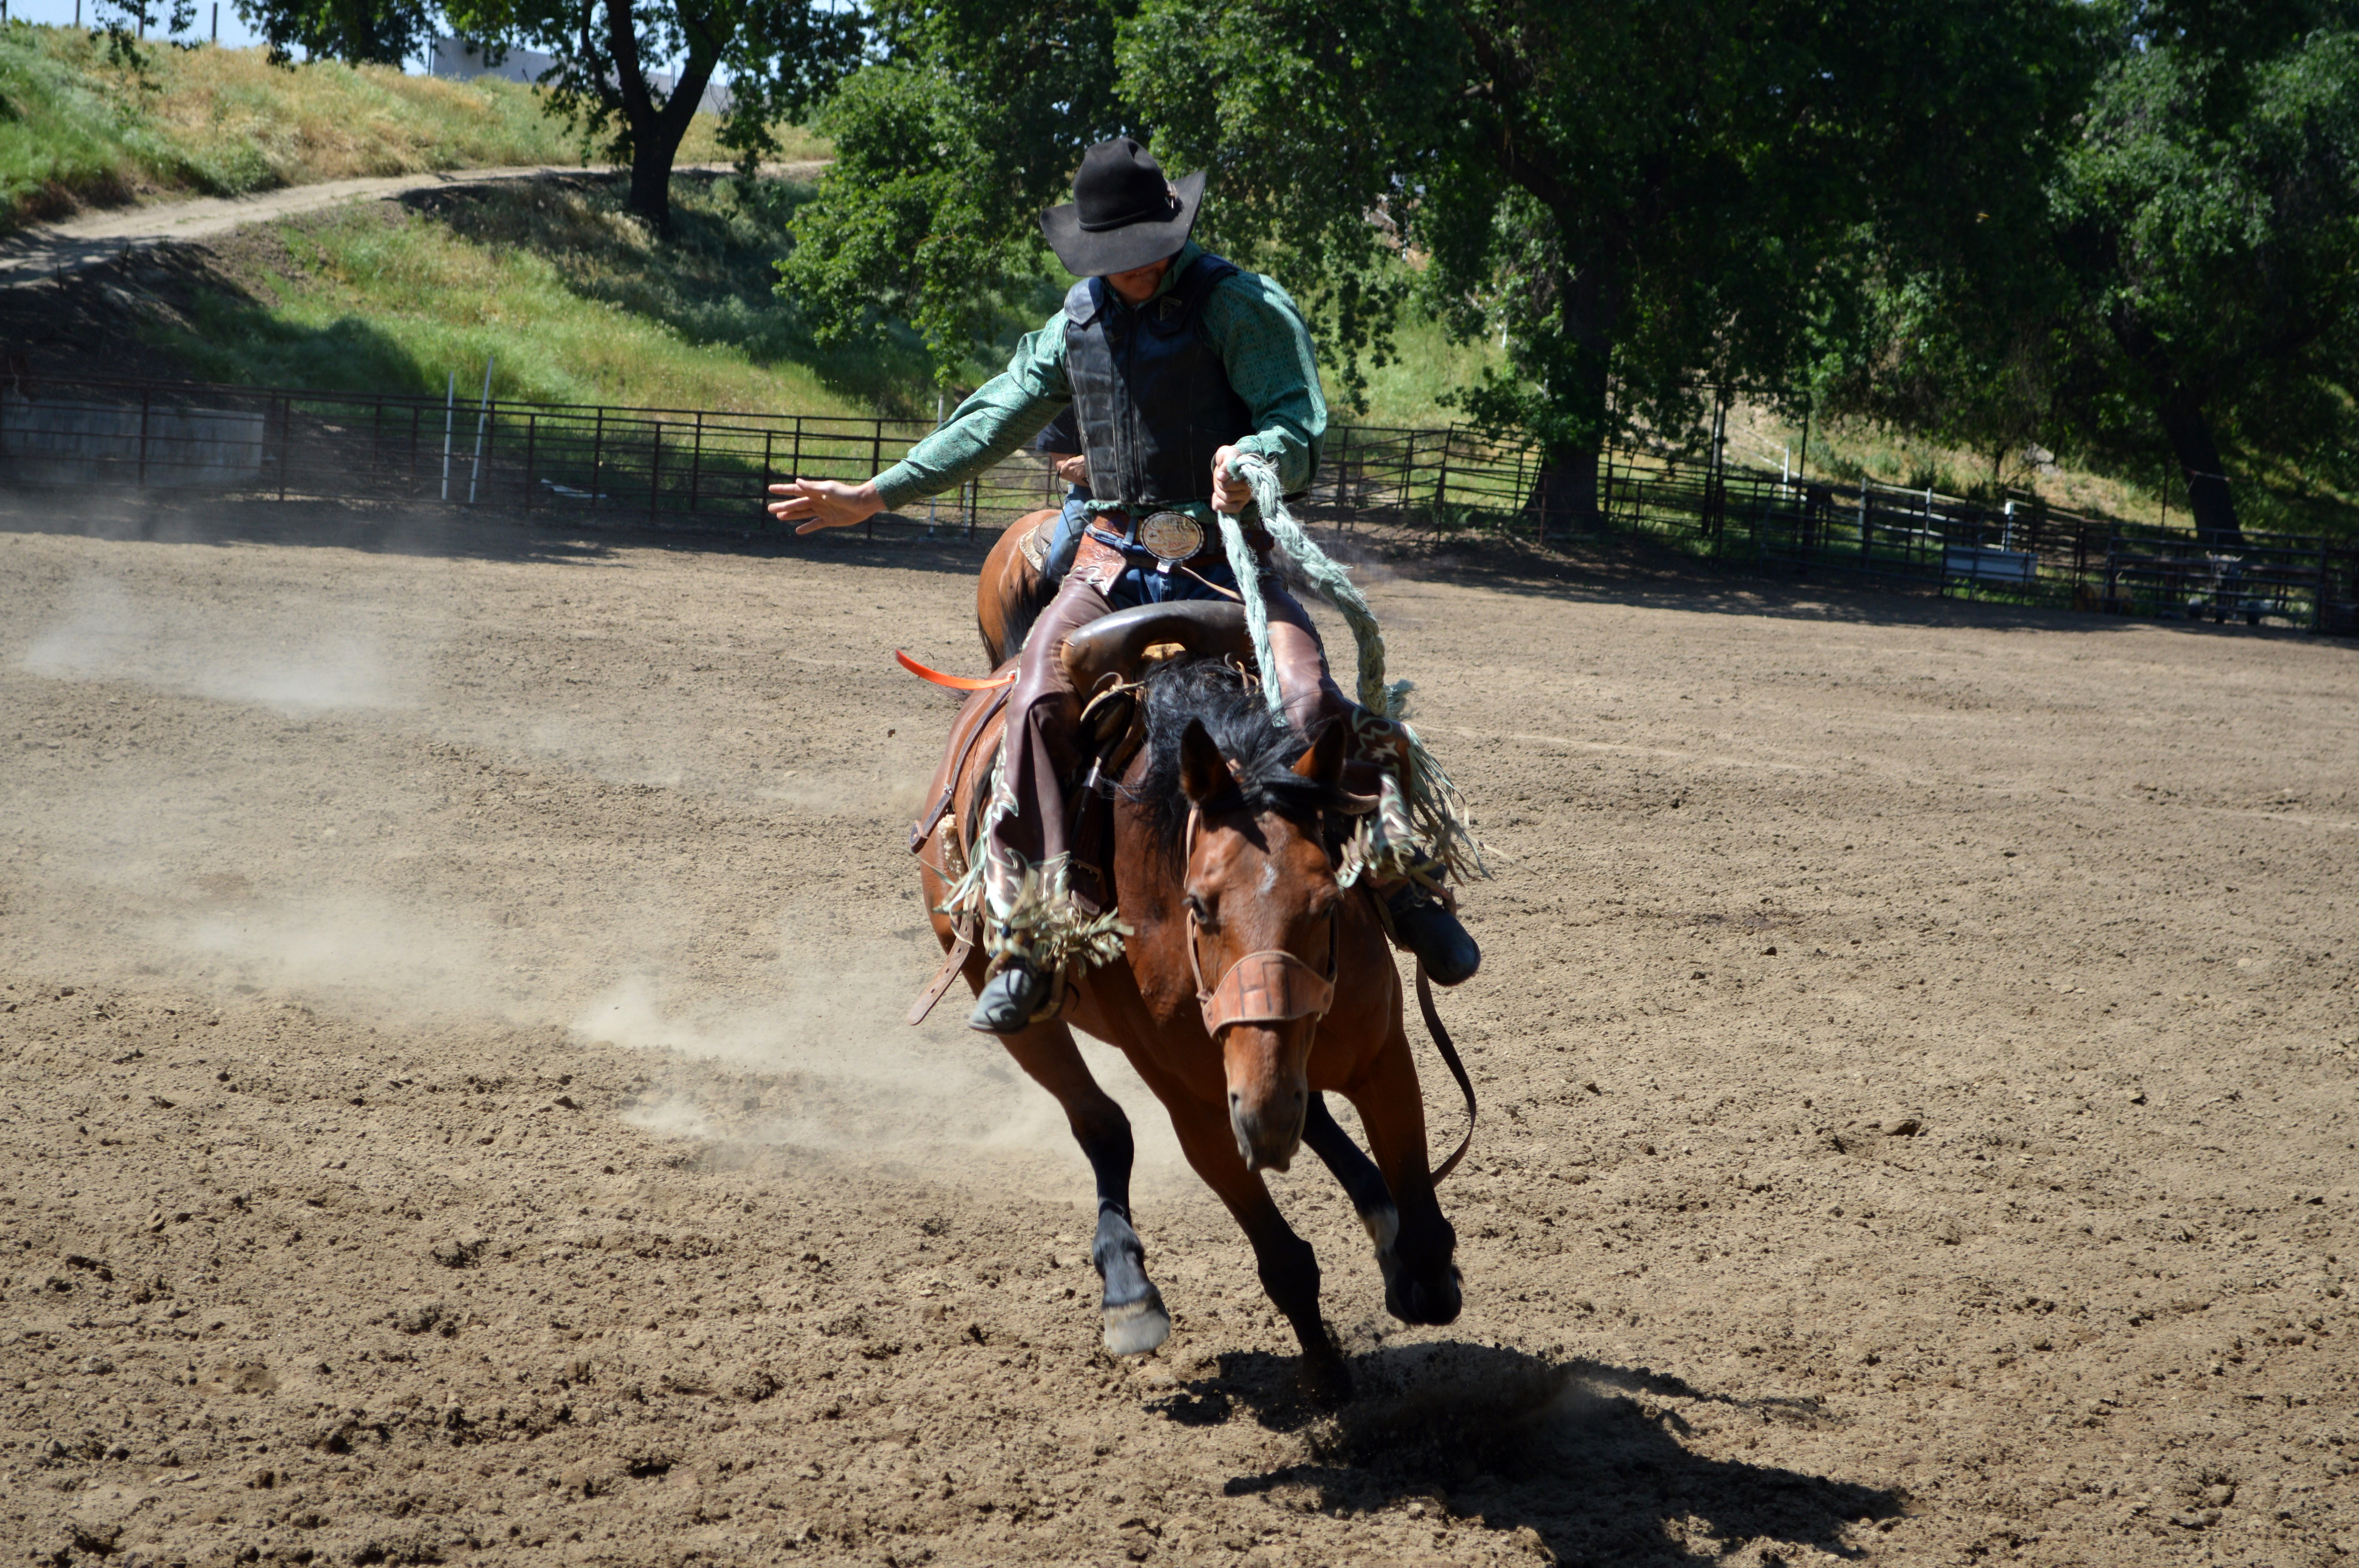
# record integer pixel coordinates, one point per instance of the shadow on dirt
(409, 529)
(1593, 1459)
(1646, 573)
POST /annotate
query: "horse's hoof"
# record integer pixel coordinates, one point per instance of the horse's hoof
(1136, 1327)
(1326, 1381)
(1424, 1302)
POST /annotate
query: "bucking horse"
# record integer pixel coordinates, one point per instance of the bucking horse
(1252, 981)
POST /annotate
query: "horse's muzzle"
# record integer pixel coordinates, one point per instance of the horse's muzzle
(1270, 1132)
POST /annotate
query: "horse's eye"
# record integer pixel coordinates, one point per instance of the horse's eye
(1201, 908)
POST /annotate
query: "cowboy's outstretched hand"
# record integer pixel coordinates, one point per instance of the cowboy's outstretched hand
(816, 504)
(1229, 495)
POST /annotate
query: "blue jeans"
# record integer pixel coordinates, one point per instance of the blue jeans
(1070, 525)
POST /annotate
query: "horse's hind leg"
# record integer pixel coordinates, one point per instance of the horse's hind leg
(1135, 1321)
(1361, 1182)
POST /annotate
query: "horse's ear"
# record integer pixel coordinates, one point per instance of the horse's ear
(1203, 772)
(1322, 763)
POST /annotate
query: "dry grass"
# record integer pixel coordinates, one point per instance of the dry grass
(78, 130)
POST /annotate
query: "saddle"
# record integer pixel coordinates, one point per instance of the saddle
(1105, 661)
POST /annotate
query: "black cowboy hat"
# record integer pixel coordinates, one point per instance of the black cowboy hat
(1125, 212)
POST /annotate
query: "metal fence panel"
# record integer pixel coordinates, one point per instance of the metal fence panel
(710, 468)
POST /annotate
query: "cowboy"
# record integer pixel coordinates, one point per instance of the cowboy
(1175, 361)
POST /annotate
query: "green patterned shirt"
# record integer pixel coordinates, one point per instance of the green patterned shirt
(1249, 319)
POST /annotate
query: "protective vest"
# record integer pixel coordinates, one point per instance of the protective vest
(1153, 398)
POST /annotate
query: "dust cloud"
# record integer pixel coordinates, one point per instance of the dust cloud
(185, 835)
(296, 658)
(846, 1074)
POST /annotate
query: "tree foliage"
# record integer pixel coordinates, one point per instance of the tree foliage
(946, 150)
(2123, 227)
(779, 58)
(2206, 222)
(1641, 196)
(358, 32)
(2185, 291)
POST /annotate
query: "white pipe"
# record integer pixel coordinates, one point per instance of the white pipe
(449, 406)
(483, 413)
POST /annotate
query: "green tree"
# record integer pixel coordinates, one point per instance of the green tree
(946, 150)
(2207, 219)
(359, 32)
(779, 58)
(1641, 194)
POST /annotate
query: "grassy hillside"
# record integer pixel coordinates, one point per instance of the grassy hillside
(573, 299)
(75, 130)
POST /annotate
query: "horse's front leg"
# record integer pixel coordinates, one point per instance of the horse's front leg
(1421, 1278)
(1288, 1269)
(1135, 1321)
(1361, 1182)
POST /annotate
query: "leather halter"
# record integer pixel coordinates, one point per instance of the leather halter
(1271, 986)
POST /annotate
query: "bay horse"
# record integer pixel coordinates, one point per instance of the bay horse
(1251, 982)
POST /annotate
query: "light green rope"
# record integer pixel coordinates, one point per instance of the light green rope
(1325, 574)
(1424, 834)
(1241, 562)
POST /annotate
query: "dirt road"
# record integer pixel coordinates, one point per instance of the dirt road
(455, 1108)
(42, 251)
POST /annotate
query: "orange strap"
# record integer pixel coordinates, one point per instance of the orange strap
(956, 683)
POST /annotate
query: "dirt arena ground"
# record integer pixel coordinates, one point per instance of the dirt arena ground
(456, 1110)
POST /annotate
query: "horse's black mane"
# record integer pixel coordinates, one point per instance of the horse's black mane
(1216, 694)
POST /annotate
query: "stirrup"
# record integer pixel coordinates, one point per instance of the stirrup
(1430, 928)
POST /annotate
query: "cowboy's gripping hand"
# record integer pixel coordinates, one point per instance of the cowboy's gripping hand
(1230, 495)
(816, 504)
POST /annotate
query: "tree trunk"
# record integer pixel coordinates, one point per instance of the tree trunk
(656, 133)
(2181, 409)
(2208, 496)
(1564, 491)
(1564, 495)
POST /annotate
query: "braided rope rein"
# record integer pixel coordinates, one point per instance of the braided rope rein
(1324, 573)
(1422, 831)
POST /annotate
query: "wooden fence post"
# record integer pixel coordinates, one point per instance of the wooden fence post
(532, 435)
(655, 468)
(696, 463)
(597, 453)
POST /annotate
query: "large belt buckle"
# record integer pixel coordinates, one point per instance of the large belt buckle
(1171, 536)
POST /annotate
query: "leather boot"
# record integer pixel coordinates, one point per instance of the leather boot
(1427, 927)
(1010, 999)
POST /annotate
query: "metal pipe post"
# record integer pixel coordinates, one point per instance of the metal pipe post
(483, 413)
